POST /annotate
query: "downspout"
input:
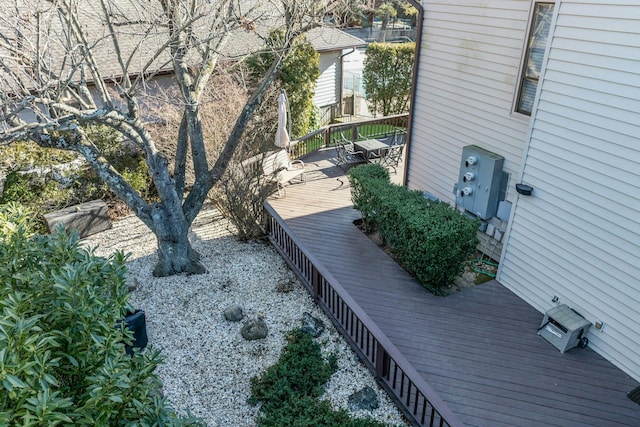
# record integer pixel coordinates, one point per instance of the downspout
(353, 49)
(414, 82)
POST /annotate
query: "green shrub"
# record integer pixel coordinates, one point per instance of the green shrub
(62, 356)
(431, 240)
(367, 183)
(21, 187)
(15, 218)
(29, 154)
(49, 190)
(387, 77)
(289, 390)
(297, 77)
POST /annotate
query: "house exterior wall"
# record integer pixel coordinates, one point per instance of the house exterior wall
(469, 62)
(578, 236)
(328, 82)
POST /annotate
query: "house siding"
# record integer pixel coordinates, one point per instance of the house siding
(468, 71)
(328, 82)
(578, 236)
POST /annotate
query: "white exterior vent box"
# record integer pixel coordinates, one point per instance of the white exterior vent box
(563, 327)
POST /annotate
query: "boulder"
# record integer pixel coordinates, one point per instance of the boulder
(365, 399)
(312, 325)
(234, 313)
(86, 218)
(254, 329)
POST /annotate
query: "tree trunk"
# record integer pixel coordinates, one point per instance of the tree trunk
(175, 254)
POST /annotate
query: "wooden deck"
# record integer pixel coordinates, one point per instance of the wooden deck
(478, 349)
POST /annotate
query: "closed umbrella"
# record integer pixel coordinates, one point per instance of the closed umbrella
(282, 136)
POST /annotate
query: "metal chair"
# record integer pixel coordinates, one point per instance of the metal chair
(347, 155)
(399, 138)
(393, 156)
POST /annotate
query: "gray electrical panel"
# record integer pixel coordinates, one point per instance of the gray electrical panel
(563, 327)
(479, 183)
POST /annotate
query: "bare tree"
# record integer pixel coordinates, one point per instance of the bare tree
(66, 64)
(350, 12)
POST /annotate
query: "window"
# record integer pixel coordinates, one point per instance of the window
(536, 45)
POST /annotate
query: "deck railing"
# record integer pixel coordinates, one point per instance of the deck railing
(330, 135)
(405, 385)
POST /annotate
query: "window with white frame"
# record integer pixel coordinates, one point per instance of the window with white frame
(533, 55)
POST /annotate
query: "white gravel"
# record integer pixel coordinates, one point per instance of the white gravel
(208, 364)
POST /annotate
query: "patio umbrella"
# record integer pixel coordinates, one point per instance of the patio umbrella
(282, 136)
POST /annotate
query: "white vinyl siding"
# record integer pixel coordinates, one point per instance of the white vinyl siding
(469, 62)
(329, 80)
(578, 235)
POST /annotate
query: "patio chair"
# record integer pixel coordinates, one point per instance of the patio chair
(399, 137)
(393, 157)
(377, 156)
(279, 168)
(347, 155)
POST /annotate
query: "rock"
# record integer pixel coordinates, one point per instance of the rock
(312, 325)
(365, 399)
(132, 284)
(86, 218)
(254, 329)
(234, 313)
(285, 287)
(465, 280)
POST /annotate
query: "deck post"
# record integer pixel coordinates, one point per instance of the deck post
(315, 282)
(382, 361)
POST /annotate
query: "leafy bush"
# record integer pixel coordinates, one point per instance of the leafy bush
(430, 239)
(21, 187)
(289, 390)
(387, 77)
(15, 218)
(297, 77)
(36, 177)
(29, 155)
(62, 356)
(367, 182)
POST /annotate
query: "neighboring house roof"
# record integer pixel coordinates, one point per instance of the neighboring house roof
(328, 39)
(323, 39)
(136, 38)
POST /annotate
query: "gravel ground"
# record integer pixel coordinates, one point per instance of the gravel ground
(208, 364)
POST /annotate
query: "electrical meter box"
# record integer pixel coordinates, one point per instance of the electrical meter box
(479, 183)
(563, 327)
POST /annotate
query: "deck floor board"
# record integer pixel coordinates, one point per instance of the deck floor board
(478, 348)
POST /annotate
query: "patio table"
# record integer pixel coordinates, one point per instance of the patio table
(371, 147)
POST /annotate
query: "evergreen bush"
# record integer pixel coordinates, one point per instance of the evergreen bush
(290, 390)
(430, 239)
(62, 356)
(368, 182)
